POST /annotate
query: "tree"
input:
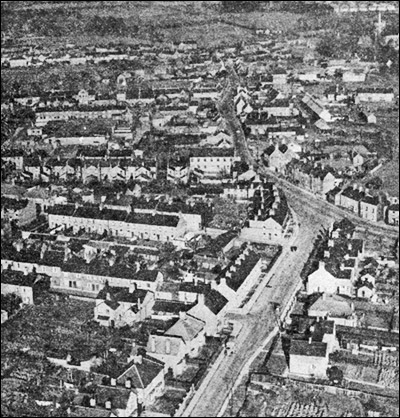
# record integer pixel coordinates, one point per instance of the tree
(326, 47)
(335, 375)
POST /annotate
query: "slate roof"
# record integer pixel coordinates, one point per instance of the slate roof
(337, 306)
(304, 348)
(186, 328)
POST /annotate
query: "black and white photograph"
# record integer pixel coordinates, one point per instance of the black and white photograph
(200, 209)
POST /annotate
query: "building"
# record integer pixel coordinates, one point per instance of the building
(119, 223)
(185, 338)
(277, 157)
(118, 307)
(338, 269)
(268, 216)
(212, 162)
(371, 208)
(178, 172)
(310, 357)
(351, 198)
(393, 215)
(335, 308)
(368, 95)
(26, 286)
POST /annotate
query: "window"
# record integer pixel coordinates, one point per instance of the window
(72, 284)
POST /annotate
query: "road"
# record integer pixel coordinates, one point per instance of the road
(313, 215)
(259, 322)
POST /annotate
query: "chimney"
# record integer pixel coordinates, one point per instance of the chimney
(355, 186)
(324, 296)
(350, 246)
(108, 404)
(331, 243)
(128, 383)
(310, 340)
(108, 296)
(132, 287)
(272, 212)
(200, 299)
(92, 402)
(322, 264)
(259, 212)
(233, 269)
(182, 315)
(111, 261)
(138, 359)
(113, 382)
(327, 254)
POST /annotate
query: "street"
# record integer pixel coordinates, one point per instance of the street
(313, 215)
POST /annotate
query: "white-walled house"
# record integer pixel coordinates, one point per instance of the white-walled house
(185, 337)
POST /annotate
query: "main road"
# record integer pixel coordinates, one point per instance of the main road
(313, 215)
(260, 320)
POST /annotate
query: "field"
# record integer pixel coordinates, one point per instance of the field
(177, 21)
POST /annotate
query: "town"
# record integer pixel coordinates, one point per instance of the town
(199, 209)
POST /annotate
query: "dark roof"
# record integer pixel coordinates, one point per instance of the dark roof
(121, 294)
(304, 348)
(18, 278)
(173, 307)
(214, 301)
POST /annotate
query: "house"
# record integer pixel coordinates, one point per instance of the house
(371, 208)
(118, 307)
(4, 316)
(23, 212)
(178, 171)
(354, 76)
(105, 401)
(268, 216)
(316, 108)
(122, 223)
(370, 94)
(212, 162)
(310, 357)
(185, 337)
(334, 307)
(393, 215)
(351, 198)
(209, 308)
(338, 269)
(316, 177)
(278, 157)
(366, 290)
(13, 156)
(26, 286)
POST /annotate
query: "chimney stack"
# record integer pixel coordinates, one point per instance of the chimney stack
(182, 315)
(92, 402)
(139, 358)
(200, 299)
(128, 383)
(108, 404)
(113, 382)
